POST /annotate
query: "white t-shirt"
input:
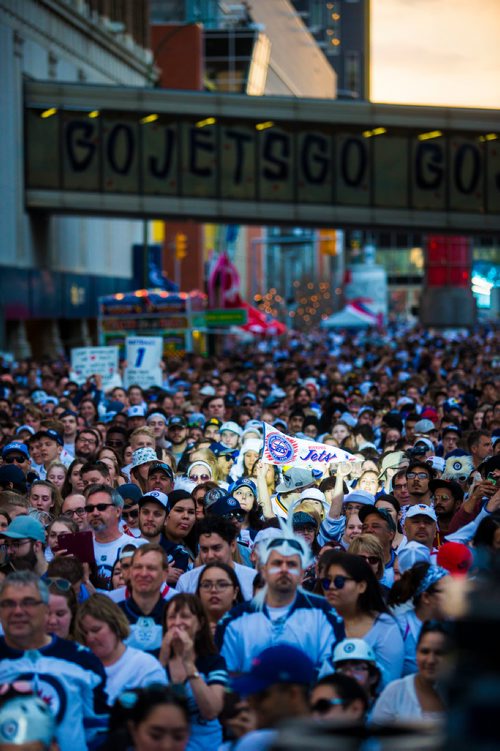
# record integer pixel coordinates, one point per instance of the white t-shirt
(189, 581)
(134, 669)
(398, 702)
(106, 554)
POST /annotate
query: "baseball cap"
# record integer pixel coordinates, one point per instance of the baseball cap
(244, 482)
(22, 428)
(451, 429)
(13, 474)
(451, 404)
(176, 421)
(314, 494)
(154, 496)
(226, 504)
(130, 492)
(49, 433)
(380, 512)
(248, 395)
(232, 426)
(280, 664)
(207, 390)
(455, 557)
(353, 649)
(161, 467)
(15, 446)
(137, 410)
(424, 426)
(421, 509)
(294, 479)
(218, 449)
(489, 465)
(413, 552)
(213, 495)
(359, 496)
(303, 519)
(25, 527)
(422, 445)
(213, 421)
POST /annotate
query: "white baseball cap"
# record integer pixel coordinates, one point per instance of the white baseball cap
(353, 649)
(421, 509)
(232, 426)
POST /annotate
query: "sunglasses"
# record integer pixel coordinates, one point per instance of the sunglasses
(338, 582)
(236, 515)
(131, 514)
(199, 478)
(62, 584)
(15, 459)
(322, 706)
(371, 559)
(99, 506)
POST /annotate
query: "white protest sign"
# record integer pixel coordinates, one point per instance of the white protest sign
(89, 361)
(143, 355)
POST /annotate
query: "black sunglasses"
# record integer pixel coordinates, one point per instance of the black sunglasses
(16, 459)
(237, 515)
(134, 514)
(338, 581)
(99, 506)
(322, 706)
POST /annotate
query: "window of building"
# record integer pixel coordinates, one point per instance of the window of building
(352, 72)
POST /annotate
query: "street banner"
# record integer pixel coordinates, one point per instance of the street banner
(89, 361)
(284, 450)
(143, 355)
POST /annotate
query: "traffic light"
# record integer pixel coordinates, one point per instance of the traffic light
(328, 242)
(180, 246)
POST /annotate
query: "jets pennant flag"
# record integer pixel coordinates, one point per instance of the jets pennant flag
(284, 450)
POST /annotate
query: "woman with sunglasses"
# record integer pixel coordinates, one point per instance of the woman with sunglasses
(199, 471)
(425, 586)
(178, 528)
(190, 658)
(219, 590)
(369, 547)
(417, 697)
(62, 608)
(350, 586)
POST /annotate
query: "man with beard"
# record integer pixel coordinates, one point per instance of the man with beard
(448, 496)
(421, 526)
(104, 506)
(400, 488)
(152, 515)
(177, 434)
(418, 476)
(25, 538)
(86, 444)
(287, 616)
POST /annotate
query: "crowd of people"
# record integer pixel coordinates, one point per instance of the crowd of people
(163, 587)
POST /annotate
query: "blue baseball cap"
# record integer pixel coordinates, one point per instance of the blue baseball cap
(280, 664)
(25, 527)
(244, 482)
(218, 449)
(15, 446)
(224, 505)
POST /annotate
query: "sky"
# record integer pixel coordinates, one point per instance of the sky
(441, 52)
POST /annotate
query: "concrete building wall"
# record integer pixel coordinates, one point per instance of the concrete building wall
(59, 40)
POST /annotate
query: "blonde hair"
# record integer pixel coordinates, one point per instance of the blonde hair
(309, 507)
(205, 455)
(370, 545)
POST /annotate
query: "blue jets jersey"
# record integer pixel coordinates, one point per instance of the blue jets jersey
(70, 679)
(310, 624)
